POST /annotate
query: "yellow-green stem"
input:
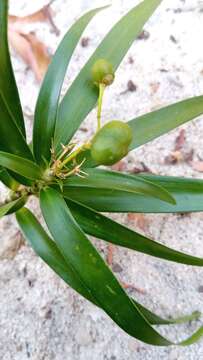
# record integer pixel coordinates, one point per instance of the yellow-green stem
(101, 94)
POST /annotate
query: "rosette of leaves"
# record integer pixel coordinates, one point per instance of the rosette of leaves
(72, 205)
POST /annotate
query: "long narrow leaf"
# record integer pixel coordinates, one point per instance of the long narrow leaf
(49, 95)
(11, 138)
(45, 247)
(152, 125)
(82, 96)
(8, 88)
(21, 166)
(7, 179)
(188, 194)
(12, 206)
(103, 179)
(98, 225)
(93, 272)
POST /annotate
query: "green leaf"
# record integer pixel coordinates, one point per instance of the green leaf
(45, 247)
(82, 95)
(11, 138)
(8, 88)
(21, 166)
(12, 206)
(48, 99)
(7, 179)
(103, 179)
(188, 194)
(152, 125)
(98, 225)
(93, 272)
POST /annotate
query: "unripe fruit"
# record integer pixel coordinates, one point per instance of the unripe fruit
(102, 72)
(111, 143)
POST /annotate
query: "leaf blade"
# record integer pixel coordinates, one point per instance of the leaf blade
(48, 101)
(114, 47)
(21, 166)
(99, 226)
(7, 179)
(97, 277)
(12, 206)
(188, 194)
(8, 87)
(154, 124)
(45, 247)
(104, 179)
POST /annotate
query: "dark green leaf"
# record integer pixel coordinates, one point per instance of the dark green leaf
(8, 88)
(49, 95)
(93, 272)
(98, 225)
(7, 179)
(11, 138)
(45, 247)
(21, 166)
(104, 179)
(12, 206)
(82, 96)
(188, 194)
(152, 125)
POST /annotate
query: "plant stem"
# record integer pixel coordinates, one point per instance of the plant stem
(101, 94)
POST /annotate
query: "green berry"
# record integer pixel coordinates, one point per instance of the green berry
(111, 143)
(102, 72)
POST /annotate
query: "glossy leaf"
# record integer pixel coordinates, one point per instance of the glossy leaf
(98, 225)
(11, 138)
(21, 166)
(82, 95)
(152, 125)
(7, 179)
(49, 95)
(188, 194)
(46, 248)
(8, 88)
(12, 206)
(104, 179)
(93, 272)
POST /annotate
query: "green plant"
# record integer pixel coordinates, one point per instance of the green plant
(71, 204)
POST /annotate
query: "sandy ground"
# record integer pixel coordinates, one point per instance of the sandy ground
(40, 317)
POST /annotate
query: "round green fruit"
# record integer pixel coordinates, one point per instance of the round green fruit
(111, 143)
(102, 72)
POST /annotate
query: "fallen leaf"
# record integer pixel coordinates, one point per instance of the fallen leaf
(45, 14)
(180, 140)
(26, 44)
(32, 51)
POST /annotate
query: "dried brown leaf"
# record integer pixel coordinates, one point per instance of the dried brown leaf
(32, 51)
(45, 14)
(180, 140)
